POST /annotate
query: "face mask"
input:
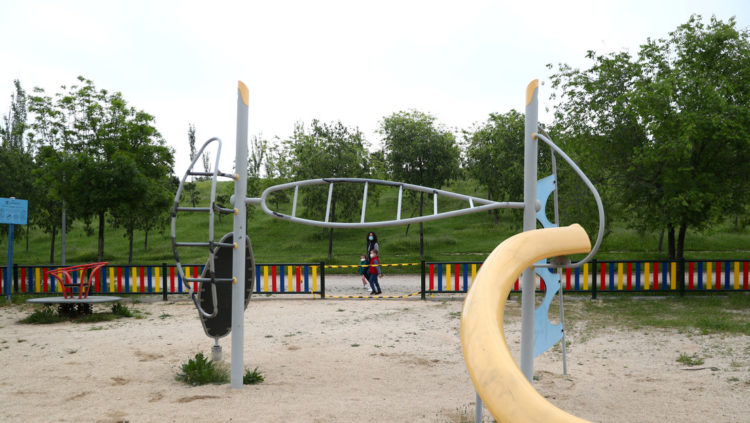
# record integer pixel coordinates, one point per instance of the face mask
(372, 255)
(370, 238)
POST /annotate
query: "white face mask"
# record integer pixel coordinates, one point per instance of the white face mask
(370, 238)
(372, 256)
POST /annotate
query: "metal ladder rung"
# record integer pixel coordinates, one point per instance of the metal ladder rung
(223, 175)
(192, 244)
(209, 280)
(205, 209)
(223, 210)
(194, 209)
(204, 244)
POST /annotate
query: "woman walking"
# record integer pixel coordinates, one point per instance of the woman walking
(372, 244)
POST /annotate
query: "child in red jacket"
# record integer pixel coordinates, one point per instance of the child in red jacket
(373, 273)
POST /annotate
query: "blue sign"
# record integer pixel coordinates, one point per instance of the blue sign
(13, 211)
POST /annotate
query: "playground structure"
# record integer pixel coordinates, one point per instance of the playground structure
(495, 375)
(75, 283)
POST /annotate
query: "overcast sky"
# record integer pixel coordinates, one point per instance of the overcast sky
(331, 60)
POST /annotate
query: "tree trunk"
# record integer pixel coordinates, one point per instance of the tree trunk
(130, 246)
(670, 242)
(681, 255)
(52, 246)
(330, 244)
(661, 240)
(494, 213)
(100, 247)
(421, 227)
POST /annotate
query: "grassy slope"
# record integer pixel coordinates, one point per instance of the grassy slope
(469, 237)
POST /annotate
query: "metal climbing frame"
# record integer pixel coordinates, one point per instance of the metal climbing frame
(212, 209)
(475, 204)
(530, 205)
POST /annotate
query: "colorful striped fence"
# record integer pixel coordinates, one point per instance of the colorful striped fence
(437, 277)
(442, 277)
(283, 278)
(290, 278)
(610, 276)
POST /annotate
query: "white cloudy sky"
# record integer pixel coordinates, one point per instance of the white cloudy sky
(331, 60)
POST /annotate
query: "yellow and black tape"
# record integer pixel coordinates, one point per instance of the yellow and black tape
(342, 266)
(371, 297)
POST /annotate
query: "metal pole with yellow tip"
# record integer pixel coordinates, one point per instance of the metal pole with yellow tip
(240, 229)
(528, 279)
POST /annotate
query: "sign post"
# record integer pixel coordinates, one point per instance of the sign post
(13, 212)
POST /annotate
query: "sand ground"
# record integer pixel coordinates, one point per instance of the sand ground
(348, 360)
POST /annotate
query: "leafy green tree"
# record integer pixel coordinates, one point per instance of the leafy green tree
(191, 191)
(48, 192)
(14, 123)
(329, 150)
(669, 128)
(111, 152)
(494, 156)
(258, 155)
(419, 151)
(16, 159)
(145, 203)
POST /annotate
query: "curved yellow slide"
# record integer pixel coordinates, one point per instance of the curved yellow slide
(499, 382)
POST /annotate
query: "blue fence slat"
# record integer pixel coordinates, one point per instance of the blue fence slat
(637, 276)
(440, 277)
(726, 275)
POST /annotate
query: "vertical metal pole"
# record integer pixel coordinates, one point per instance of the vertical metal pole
(62, 235)
(238, 256)
(557, 224)
(164, 286)
(594, 266)
(323, 280)
(364, 204)
(423, 285)
(529, 223)
(562, 322)
(9, 263)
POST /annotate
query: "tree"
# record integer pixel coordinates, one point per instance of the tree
(108, 149)
(51, 160)
(671, 125)
(16, 160)
(145, 203)
(14, 123)
(494, 156)
(420, 152)
(191, 191)
(329, 150)
(47, 190)
(258, 155)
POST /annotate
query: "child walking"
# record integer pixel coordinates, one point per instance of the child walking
(363, 271)
(374, 271)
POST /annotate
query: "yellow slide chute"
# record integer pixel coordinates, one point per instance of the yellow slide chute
(506, 393)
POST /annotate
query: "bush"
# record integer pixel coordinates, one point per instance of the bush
(121, 310)
(44, 316)
(201, 371)
(252, 378)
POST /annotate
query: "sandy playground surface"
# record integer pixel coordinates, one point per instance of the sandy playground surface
(343, 360)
